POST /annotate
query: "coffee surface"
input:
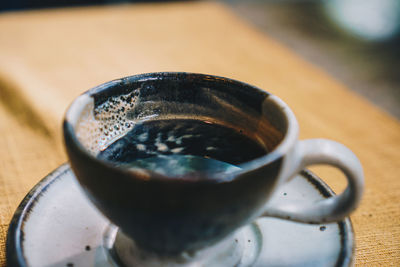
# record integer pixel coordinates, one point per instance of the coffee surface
(180, 147)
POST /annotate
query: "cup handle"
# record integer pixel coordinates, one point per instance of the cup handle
(322, 151)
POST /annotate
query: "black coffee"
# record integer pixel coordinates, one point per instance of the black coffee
(181, 147)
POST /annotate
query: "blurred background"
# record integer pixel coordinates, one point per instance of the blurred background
(355, 41)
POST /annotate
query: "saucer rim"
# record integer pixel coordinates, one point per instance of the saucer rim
(15, 235)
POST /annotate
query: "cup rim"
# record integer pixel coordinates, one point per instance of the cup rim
(78, 104)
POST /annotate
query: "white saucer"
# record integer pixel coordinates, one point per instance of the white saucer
(56, 225)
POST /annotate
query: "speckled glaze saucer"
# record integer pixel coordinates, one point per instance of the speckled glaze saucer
(56, 225)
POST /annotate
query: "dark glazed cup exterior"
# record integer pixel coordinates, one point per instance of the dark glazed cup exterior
(167, 216)
(172, 215)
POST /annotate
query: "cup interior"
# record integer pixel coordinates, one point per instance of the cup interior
(108, 112)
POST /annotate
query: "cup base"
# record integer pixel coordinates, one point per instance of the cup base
(242, 248)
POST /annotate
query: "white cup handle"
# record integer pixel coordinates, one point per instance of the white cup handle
(322, 151)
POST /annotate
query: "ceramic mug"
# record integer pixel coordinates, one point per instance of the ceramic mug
(170, 214)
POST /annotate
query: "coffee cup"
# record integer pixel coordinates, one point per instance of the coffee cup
(180, 161)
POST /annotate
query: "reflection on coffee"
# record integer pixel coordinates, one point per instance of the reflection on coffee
(183, 148)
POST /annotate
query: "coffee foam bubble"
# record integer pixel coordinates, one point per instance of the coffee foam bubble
(97, 127)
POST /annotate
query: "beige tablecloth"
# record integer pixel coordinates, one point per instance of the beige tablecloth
(49, 57)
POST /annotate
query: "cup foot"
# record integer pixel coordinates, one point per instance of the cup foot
(239, 249)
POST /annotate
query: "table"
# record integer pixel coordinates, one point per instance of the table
(48, 57)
